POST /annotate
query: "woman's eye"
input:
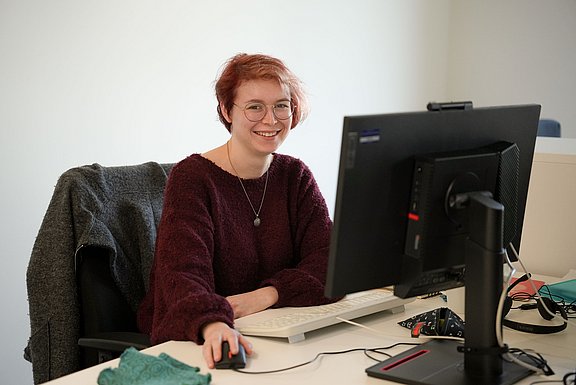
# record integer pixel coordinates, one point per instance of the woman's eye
(254, 107)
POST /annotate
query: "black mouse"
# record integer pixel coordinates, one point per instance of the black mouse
(229, 361)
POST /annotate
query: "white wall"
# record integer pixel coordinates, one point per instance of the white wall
(123, 82)
(514, 52)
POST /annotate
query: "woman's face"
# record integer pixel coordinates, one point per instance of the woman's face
(264, 136)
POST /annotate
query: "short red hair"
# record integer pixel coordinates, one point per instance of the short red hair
(243, 67)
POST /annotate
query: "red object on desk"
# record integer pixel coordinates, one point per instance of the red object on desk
(525, 287)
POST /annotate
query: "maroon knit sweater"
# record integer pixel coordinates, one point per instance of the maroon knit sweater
(208, 248)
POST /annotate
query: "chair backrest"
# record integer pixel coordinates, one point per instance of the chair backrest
(90, 262)
(103, 307)
(104, 312)
(111, 280)
(549, 127)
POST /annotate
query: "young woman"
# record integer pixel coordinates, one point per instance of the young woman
(243, 228)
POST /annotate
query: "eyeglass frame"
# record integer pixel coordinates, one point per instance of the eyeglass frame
(292, 109)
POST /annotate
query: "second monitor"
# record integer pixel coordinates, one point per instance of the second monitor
(374, 193)
(428, 201)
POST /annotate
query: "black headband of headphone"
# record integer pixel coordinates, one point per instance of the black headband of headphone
(542, 303)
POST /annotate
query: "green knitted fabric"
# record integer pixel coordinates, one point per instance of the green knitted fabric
(143, 369)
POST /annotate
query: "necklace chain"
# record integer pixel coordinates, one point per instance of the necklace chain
(256, 213)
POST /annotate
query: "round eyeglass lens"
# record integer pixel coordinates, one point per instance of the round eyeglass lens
(255, 112)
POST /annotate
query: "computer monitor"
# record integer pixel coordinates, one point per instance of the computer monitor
(396, 222)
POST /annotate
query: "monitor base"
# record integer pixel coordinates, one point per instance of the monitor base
(438, 362)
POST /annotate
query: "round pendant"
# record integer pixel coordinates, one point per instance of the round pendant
(257, 222)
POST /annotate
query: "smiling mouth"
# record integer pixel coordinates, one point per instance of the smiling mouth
(267, 134)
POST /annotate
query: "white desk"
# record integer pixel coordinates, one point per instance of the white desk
(559, 349)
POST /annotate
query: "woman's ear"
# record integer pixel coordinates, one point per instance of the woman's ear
(225, 114)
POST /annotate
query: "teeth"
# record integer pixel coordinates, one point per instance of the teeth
(267, 134)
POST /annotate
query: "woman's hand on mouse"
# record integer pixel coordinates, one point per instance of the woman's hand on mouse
(254, 301)
(214, 334)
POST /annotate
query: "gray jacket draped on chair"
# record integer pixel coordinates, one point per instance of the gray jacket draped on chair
(117, 208)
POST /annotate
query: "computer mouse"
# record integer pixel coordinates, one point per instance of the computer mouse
(230, 361)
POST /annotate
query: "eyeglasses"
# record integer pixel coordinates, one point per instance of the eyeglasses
(255, 111)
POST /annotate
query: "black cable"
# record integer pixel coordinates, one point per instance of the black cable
(522, 296)
(567, 376)
(569, 308)
(535, 359)
(365, 350)
(564, 381)
(553, 297)
(302, 364)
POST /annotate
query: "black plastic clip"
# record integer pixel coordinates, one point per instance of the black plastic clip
(435, 106)
(490, 351)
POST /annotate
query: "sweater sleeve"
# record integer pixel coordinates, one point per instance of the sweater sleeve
(182, 294)
(303, 285)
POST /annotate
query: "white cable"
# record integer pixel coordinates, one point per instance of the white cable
(362, 326)
(387, 335)
(459, 339)
(499, 336)
(503, 296)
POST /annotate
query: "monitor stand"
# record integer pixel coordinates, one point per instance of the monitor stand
(478, 360)
(438, 362)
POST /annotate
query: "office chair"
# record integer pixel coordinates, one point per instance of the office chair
(549, 127)
(108, 323)
(90, 265)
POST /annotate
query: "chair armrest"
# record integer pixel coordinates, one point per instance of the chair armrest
(115, 341)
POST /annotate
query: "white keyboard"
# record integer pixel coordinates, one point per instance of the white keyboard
(293, 322)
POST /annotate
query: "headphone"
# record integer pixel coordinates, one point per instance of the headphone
(541, 304)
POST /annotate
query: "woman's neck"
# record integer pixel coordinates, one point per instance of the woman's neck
(246, 165)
